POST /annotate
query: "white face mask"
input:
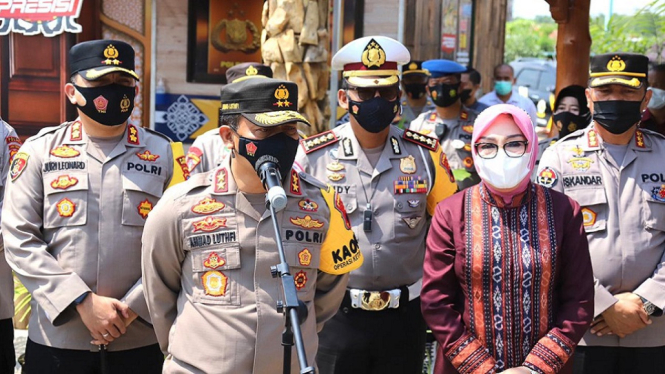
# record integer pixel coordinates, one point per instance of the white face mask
(503, 172)
(657, 99)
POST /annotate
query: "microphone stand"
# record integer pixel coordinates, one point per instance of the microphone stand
(294, 308)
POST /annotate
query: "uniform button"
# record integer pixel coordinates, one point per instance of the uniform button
(348, 206)
(399, 205)
(345, 310)
(376, 214)
(377, 246)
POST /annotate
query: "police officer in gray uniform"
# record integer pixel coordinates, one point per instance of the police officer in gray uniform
(208, 150)
(76, 200)
(614, 170)
(414, 99)
(450, 121)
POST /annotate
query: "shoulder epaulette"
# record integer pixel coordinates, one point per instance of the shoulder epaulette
(310, 179)
(153, 132)
(422, 140)
(48, 130)
(464, 114)
(315, 142)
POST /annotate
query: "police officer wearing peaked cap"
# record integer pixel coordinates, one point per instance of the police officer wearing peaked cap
(449, 121)
(76, 201)
(208, 150)
(390, 180)
(414, 99)
(209, 245)
(613, 169)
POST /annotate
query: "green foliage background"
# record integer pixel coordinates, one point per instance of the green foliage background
(643, 33)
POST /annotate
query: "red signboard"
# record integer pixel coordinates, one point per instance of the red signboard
(39, 10)
(448, 42)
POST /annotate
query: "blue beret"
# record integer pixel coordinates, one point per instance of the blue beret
(440, 68)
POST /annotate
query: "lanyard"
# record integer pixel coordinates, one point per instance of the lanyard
(367, 214)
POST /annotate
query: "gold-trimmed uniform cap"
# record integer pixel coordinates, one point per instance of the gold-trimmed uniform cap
(265, 102)
(96, 58)
(371, 61)
(626, 69)
(414, 67)
(247, 70)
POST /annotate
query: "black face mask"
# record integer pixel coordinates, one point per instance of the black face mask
(110, 105)
(568, 122)
(444, 95)
(280, 146)
(617, 116)
(374, 115)
(415, 90)
(465, 95)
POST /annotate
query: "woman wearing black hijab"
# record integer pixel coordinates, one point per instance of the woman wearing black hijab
(571, 112)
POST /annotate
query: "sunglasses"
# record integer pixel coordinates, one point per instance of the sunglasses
(367, 93)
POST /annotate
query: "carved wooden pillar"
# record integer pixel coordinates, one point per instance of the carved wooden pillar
(573, 43)
(489, 38)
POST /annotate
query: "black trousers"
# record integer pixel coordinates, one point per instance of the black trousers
(7, 357)
(364, 342)
(619, 360)
(41, 359)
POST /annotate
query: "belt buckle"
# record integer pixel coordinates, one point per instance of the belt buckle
(375, 300)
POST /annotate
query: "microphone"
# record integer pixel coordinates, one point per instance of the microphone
(267, 167)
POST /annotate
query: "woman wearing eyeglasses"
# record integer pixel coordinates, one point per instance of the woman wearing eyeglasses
(507, 285)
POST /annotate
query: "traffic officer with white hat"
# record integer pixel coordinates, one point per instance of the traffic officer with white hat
(450, 121)
(209, 245)
(390, 180)
(76, 200)
(208, 149)
(615, 171)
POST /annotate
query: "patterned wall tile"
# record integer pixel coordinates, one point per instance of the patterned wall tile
(127, 12)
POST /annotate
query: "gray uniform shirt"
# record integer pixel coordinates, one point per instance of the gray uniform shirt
(624, 217)
(73, 223)
(10, 145)
(206, 153)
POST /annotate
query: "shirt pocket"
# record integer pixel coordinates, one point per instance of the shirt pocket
(410, 216)
(594, 207)
(140, 194)
(303, 260)
(216, 273)
(654, 209)
(65, 200)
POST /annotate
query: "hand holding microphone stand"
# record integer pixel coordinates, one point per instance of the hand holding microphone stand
(267, 167)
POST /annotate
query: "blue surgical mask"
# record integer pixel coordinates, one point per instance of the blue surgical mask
(503, 87)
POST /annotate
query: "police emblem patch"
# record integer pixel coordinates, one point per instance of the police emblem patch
(209, 224)
(144, 208)
(214, 261)
(65, 207)
(214, 283)
(308, 205)
(443, 161)
(547, 178)
(65, 152)
(306, 222)
(408, 165)
(193, 157)
(658, 193)
(147, 156)
(300, 279)
(588, 217)
(19, 163)
(63, 182)
(208, 206)
(305, 257)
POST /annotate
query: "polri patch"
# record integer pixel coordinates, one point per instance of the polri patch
(19, 163)
(214, 283)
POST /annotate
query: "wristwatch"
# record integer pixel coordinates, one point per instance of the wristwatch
(648, 306)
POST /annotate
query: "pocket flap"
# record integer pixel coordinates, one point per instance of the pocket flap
(588, 196)
(225, 258)
(65, 183)
(149, 185)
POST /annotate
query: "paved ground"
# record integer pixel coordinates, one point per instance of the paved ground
(20, 338)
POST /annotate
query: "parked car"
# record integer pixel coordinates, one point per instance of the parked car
(536, 79)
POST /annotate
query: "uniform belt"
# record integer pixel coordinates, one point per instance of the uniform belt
(381, 300)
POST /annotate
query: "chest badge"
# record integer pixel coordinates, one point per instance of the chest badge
(658, 193)
(412, 222)
(65, 151)
(588, 217)
(336, 177)
(65, 207)
(306, 222)
(214, 261)
(305, 257)
(63, 182)
(335, 166)
(308, 205)
(214, 283)
(147, 156)
(144, 208)
(208, 206)
(578, 161)
(408, 165)
(413, 203)
(300, 280)
(209, 224)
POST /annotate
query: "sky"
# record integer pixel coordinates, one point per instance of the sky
(533, 8)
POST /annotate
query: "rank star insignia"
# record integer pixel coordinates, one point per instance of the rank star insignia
(547, 178)
(144, 208)
(588, 217)
(147, 156)
(335, 166)
(214, 283)
(76, 134)
(407, 165)
(221, 185)
(294, 186)
(658, 193)
(251, 149)
(63, 182)
(395, 144)
(19, 163)
(132, 135)
(300, 279)
(305, 257)
(592, 138)
(65, 207)
(214, 261)
(336, 177)
(306, 222)
(208, 206)
(209, 224)
(412, 222)
(101, 103)
(639, 139)
(65, 152)
(308, 205)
